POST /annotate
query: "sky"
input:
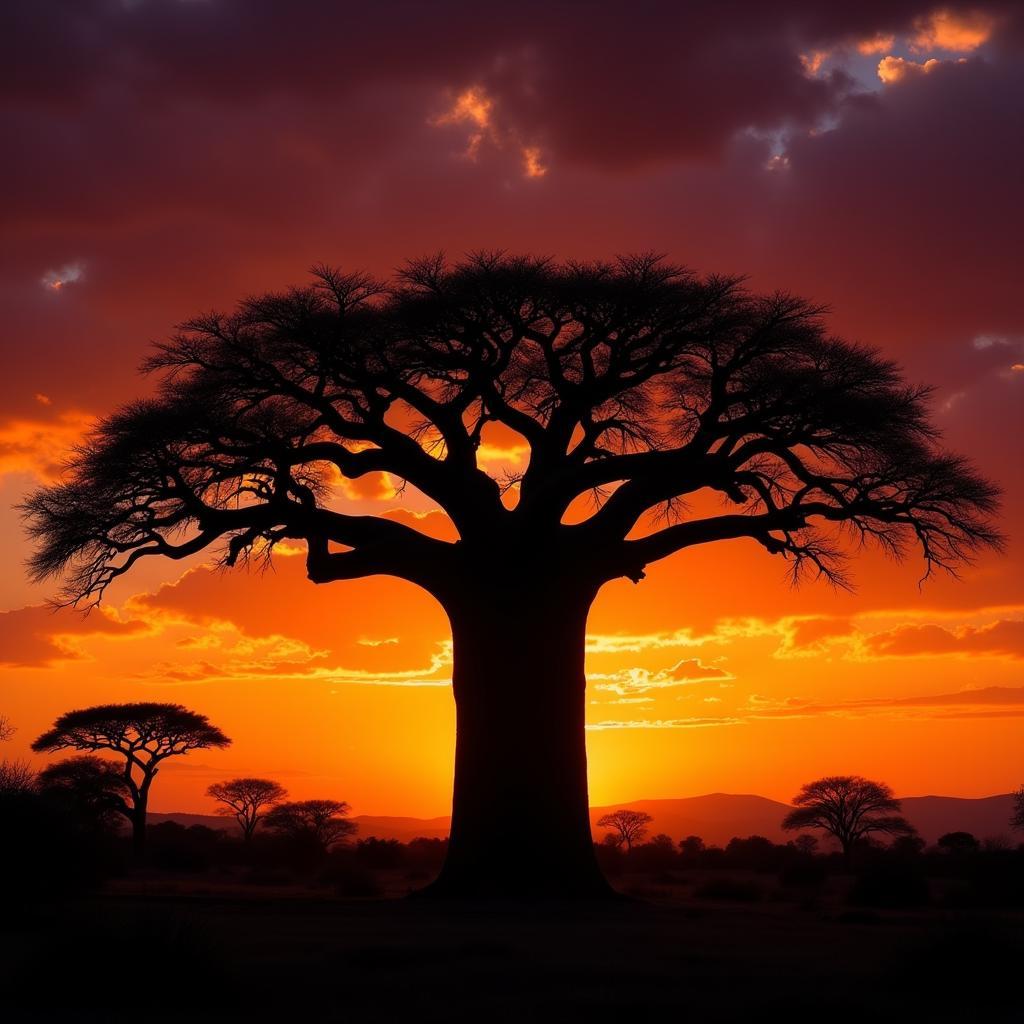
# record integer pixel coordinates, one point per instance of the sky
(175, 156)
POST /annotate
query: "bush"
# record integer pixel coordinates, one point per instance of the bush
(380, 854)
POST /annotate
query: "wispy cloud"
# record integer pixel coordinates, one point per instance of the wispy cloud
(56, 280)
(641, 680)
(663, 723)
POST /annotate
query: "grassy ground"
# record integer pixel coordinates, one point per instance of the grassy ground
(149, 949)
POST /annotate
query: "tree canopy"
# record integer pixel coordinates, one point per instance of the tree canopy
(634, 381)
(245, 800)
(93, 784)
(143, 732)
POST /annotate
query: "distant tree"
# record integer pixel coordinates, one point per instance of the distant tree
(907, 846)
(849, 808)
(245, 801)
(631, 381)
(1017, 819)
(691, 847)
(16, 778)
(320, 822)
(958, 843)
(627, 826)
(806, 844)
(662, 842)
(380, 854)
(6, 729)
(91, 784)
(144, 734)
(757, 853)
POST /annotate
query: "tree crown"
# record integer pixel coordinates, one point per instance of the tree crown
(144, 731)
(324, 821)
(631, 825)
(239, 793)
(848, 807)
(635, 382)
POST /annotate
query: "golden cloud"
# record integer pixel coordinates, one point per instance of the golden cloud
(898, 69)
(1001, 638)
(953, 31)
(38, 636)
(41, 448)
(634, 681)
(878, 43)
(475, 110)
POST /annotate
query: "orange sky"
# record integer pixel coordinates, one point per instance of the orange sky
(844, 166)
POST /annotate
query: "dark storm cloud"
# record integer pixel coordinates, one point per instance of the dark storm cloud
(615, 84)
(189, 151)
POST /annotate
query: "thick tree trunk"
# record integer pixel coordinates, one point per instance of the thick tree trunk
(520, 815)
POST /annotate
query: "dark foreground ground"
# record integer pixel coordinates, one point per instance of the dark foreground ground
(140, 953)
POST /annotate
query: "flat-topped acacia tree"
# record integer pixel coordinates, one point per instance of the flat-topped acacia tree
(145, 734)
(634, 382)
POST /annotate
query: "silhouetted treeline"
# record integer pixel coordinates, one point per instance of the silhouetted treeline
(51, 846)
(54, 847)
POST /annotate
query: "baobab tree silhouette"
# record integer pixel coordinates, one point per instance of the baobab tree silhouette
(635, 382)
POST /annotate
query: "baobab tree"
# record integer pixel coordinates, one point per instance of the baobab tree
(246, 800)
(686, 409)
(847, 807)
(144, 734)
(627, 826)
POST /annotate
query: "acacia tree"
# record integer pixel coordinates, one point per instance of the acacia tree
(320, 822)
(659, 395)
(847, 807)
(144, 734)
(245, 801)
(629, 826)
(91, 784)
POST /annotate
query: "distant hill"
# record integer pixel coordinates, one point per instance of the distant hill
(716, 818)
(983, 817)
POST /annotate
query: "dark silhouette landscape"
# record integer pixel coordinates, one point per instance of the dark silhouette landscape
(716, 817)
(496, 410)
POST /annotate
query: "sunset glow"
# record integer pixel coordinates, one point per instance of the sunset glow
(861, 159)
